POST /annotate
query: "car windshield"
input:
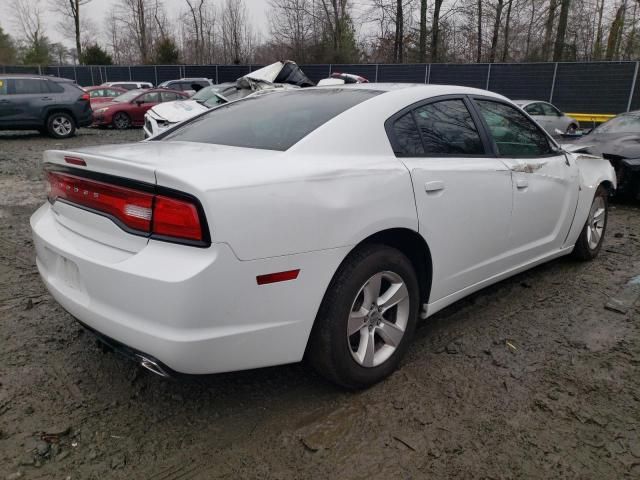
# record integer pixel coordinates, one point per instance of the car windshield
(620, 124)
(204, 94)
(127, 97)
(275, 121)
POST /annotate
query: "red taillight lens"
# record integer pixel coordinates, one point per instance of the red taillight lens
(176, 218)
(144, 212)
(85, 96)
(131, 207)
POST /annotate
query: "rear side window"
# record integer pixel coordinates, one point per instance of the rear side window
(169, 96)
(447, 128)
(23, 86)
(54, 87)
(550, 110)
(3, 86)
(274, 121)
(440, 128)
(534, 109)
(514, 134)
(407, 136)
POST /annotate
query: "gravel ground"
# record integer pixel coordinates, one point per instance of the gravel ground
(531, 378)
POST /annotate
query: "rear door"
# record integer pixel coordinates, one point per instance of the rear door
(555, 120)
(545, 181)
(463, 193)
(27, 99)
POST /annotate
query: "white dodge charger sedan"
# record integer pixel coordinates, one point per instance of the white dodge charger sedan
(317, 223)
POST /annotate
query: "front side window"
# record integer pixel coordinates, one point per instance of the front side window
(447, 128)
(550, 110)
(275, 121)
(514, 134)
(535, 109)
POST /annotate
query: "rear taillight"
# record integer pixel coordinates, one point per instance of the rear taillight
(85, 96)
(142, 213)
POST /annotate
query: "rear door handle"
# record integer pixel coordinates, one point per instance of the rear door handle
(522, 183)
(434, 186)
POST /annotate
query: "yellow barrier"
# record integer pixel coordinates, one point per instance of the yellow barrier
(590, 117)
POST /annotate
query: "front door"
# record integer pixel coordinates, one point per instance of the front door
(545, 181)
(463, 193)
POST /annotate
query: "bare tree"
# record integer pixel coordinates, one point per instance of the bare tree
(291, 25)
(422, 57)
(435, 31)
(496, 32)
(237, 34)
(479, 56)
(27, 18)
(199, 36)
(140, 19)
(558, 49)
(507, 27)
(70, 11)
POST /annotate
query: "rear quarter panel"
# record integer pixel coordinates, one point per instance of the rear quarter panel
(299, 203)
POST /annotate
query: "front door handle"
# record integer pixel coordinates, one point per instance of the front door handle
(46, 98)
(434, 186)
(522, 183)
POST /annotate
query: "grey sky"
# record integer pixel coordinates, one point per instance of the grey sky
(97, 10)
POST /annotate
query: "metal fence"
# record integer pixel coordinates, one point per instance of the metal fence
(594, 87)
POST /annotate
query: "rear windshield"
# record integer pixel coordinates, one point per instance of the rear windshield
(274, 121)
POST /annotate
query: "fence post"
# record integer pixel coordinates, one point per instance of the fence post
(130, 73)
(426, 72)
(553, 82)
(58, 71)
(328, 76)
(488, 77)
(155, 71)
(39, 70)
(633, 87)
(75, 74)
(91, 72)
(377, 72)
(217, 81)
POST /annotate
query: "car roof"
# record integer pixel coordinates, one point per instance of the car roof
(35, 76)
(526, 102)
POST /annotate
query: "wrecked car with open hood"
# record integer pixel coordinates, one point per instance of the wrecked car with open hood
(618, 141)
(277, 76)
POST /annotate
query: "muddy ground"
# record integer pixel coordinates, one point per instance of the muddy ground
(531, 378)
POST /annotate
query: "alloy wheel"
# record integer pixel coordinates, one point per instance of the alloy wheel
(61, 126)
(378, 319)
(596, 222)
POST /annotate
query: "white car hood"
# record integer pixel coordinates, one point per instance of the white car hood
(177, 111)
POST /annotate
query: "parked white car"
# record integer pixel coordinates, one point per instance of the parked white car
(277, 76)
(128, 85)
(321, 222)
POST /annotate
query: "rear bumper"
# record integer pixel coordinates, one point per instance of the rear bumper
(195, 310)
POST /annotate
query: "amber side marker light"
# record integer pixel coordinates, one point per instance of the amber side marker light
(277, 277)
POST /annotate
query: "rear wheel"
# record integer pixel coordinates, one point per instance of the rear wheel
(121, 121)
(61, 125)
(571, 129)
(367, 318)
(592, 235)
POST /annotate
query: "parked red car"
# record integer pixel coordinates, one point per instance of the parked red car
(101, 94)
(128, 109)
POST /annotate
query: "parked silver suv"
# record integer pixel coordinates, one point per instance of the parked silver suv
(49, 104)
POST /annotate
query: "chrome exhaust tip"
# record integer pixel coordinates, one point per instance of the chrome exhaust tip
(152, 366)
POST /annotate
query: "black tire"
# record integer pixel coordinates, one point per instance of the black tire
(582, 249)
(571, 129)
(61, 125)
(329, 351)
(121, 121)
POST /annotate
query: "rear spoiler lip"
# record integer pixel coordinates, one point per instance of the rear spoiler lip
(144, 187)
